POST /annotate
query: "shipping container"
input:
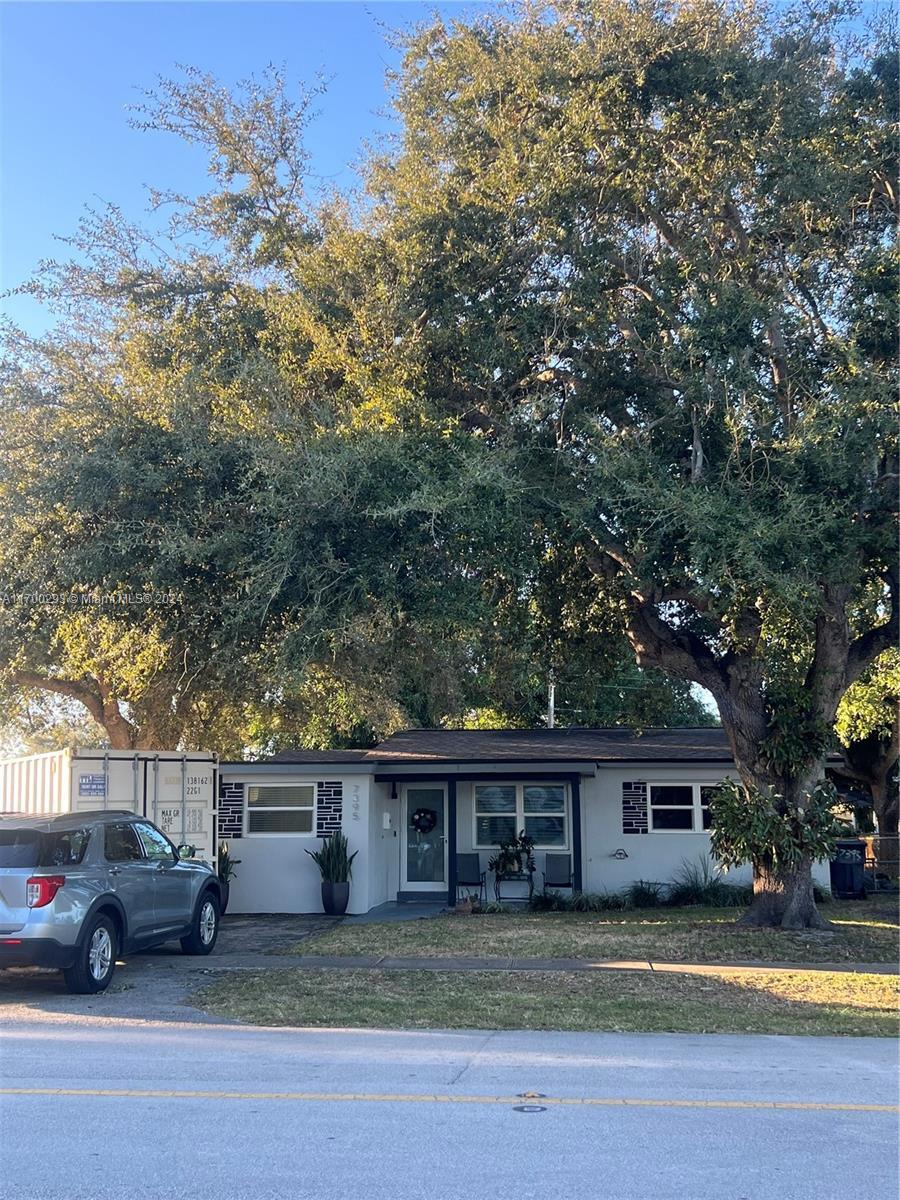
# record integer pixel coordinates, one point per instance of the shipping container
(176, 791)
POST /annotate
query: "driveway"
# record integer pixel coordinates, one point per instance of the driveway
(113, 1108)
(154, 986)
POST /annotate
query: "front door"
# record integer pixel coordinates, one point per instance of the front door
(424, 843)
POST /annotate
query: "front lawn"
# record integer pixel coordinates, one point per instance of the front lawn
(787, 1002)
(865, 931)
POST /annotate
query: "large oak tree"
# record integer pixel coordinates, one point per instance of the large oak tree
(650, 246)
(620, 300)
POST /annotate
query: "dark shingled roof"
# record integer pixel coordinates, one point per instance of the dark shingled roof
(529, 745)
(321, 756)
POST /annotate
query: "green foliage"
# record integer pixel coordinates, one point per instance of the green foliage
(656, 240)
(551, 901)
(226, 863)
(599, 901)
(513, 857)
(699, 883)
(760, 828)
(869, 707)
(606, 350)
(644, 894)
(796, 733)
(335, 865)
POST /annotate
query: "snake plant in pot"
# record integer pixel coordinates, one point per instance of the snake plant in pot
(336, 868)
(226, 873)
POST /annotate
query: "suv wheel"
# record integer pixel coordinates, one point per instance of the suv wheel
(96, 961)
(204, 928)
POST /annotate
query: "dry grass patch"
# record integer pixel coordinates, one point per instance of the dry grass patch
(789, 1002)
(863, 932)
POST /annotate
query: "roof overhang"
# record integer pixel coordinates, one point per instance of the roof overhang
(254, 770)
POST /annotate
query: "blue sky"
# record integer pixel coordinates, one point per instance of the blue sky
(69, 71)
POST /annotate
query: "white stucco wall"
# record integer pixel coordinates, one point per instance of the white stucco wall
(276, 876)
(384, 845)
(655, 856)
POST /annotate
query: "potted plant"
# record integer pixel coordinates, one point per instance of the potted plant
(514, 860)
(336, 867)
(226, 873)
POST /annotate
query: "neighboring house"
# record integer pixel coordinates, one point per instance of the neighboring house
(622, 805)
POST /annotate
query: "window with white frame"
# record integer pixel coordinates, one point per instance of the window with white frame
(281, 808)
(502, 810)
(680, 807)
(707, 794)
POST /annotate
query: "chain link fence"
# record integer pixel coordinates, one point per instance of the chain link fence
(882, 869)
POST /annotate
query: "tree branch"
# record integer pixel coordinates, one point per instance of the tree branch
(96, 698)
(677, 651)
(866, 648)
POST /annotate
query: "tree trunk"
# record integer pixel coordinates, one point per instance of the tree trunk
(783, 899)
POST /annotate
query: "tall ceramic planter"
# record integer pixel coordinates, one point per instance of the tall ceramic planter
(224, 889)
(335, 897)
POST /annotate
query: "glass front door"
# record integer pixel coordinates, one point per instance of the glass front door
(425, 840)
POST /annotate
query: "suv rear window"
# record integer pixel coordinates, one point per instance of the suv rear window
(30, 848)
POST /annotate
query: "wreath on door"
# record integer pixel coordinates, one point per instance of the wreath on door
(423, 820)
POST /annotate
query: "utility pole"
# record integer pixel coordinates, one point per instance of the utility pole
(551, 702)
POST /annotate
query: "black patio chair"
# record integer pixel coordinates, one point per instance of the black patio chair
(469, 874)
(557, 871)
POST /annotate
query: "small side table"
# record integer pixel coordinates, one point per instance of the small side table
(518, 877)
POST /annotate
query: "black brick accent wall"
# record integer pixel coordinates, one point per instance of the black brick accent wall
(231, 809)
(329, 808)
(634, 808)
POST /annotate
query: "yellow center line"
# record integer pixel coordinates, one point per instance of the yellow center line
(415, 1098)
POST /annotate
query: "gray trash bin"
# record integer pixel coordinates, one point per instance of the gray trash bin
(847, 869)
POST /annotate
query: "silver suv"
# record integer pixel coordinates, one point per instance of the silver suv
(78, 890)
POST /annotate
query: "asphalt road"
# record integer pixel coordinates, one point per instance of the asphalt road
(334, 1114)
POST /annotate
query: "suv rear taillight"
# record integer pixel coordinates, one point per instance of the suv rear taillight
(41, 889)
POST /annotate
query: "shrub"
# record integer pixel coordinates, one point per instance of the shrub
(644, 894)
(578, 902)
(760, 828)
(599, 902)
(700, 883)
(550, 902)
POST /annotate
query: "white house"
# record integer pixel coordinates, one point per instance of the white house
(618, 805)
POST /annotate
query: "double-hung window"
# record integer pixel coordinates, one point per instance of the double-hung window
(502, 810)
(281, 808)
(680, 807)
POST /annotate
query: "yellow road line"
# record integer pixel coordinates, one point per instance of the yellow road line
(414, 1098)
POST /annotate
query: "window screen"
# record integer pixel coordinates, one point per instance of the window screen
(281, 808)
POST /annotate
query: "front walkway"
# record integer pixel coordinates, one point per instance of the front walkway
(409, 910)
